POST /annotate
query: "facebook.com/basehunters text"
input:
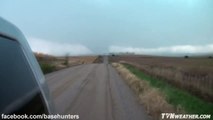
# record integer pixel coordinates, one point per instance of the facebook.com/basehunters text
(42, 116)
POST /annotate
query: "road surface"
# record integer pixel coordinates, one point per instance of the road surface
(94, 92)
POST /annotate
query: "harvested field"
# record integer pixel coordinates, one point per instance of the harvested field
(192, 74)
(58, 63)
(82, 59)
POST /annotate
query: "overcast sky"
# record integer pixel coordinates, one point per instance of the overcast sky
(101, 26)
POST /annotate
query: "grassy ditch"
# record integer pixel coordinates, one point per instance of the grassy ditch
(180, 99)
(47, 68)
(151, 98)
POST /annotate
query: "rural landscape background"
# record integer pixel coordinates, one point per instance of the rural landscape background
(183, 84)
(121, 59)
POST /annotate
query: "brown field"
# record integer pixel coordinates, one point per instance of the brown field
(193, 74)
(59, 62)
(82, 59)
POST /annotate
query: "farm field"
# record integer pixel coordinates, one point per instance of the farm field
(193, 74)
(50, 63)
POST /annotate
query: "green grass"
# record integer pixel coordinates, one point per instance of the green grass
(47, 68)
(175, 96)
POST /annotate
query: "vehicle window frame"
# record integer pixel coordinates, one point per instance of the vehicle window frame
(35, 82)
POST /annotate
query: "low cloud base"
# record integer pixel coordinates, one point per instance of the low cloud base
(172, 50)
(56, 48)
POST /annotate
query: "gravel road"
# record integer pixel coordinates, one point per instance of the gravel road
(94, 92)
